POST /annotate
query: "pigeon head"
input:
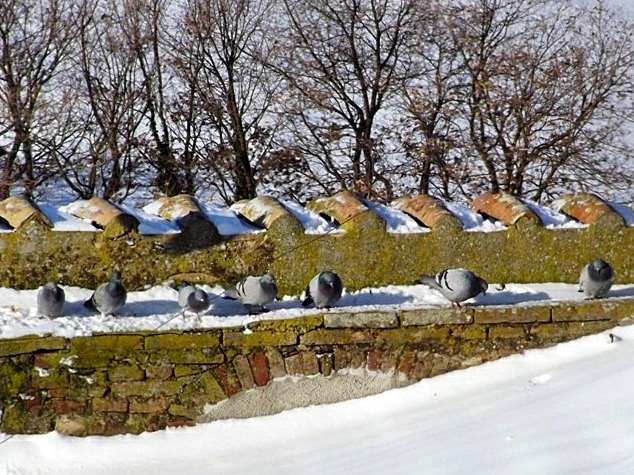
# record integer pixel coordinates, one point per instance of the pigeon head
(267, 278)
(115, 279)
(600, 270)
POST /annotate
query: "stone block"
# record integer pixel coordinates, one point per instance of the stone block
(275, 363)
(436, 316)
(337, 337)
(182, 341)
(206, 356)
(30, 344)
(238, 338)
(302, 363)
(243, 371)
(587, 310)
(259, 368)
(349, 357)
(159, 371)
(110, 404)
(67, 406)
(504, 332)
(155, 405)
(125, 372)
(361, 319)
(512, 314)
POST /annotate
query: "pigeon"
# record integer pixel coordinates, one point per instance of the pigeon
(254, 292)
(192, 299)
(50, 300)
(596, 279)
(456, 285)
(324, 290)
(108, 297)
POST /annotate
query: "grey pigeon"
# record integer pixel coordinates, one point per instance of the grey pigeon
(254, 292)
(324, 290)
(193, 299)
(50, 300)
(596, 279)
(456, 285)
(109, 297)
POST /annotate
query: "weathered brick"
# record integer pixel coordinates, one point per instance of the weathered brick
(126, 373)
(189, 369)
(183, 411)
(298, 326)
(110, 404)
(159, 371)
(276, 363)
(512, 314)
(204, 390)
(238, 338)
(194, 357)
(589, 310)
(243, 370)
(67, 406)
(183, 341)
(147, 388)
(337, 337)
(326, 363)
(469, 332)
(29, 344)
(302, 363)
(504, 332)
(436, 316)
(148, 406)
(349, 357)
(387, 319)
(259, 368)
(374, 359)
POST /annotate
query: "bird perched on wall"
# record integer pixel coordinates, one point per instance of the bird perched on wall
(192, 298)
(254, 292)
(596, 279)
(50, 300)
(456, 285)
(109, 297)
(324, 290)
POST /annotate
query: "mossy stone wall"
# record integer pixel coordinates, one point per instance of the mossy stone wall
(133, 382)
(362, 252)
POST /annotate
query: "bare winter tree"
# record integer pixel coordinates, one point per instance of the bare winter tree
(145, 26)
(34, 40)
(430, 132)
(543, 91)
(108, 109)
(345, 61)
(221, 48)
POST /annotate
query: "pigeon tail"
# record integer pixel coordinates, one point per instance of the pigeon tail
(90, 303)
(230, 294)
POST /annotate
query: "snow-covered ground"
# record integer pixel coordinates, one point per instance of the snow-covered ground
(567, 409)
(157, 307)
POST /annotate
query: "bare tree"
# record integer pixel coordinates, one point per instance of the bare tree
(34, 40)
(108, 107)
(345, 61)
(221, 48)
(145, 30)
(542, 87)
(430, 132)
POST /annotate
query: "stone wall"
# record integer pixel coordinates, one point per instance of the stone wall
(133, 382)
(364, 254)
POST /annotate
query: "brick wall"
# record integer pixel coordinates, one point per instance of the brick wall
(133, 382)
